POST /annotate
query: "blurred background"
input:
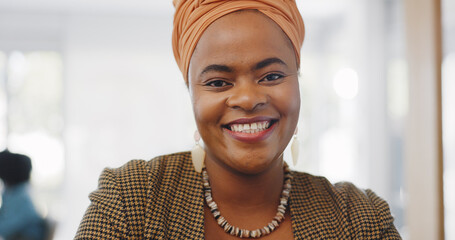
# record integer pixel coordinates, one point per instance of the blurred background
(86, 85)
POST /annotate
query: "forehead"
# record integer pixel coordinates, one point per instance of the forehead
(241, 36)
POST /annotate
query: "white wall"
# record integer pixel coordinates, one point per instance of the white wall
(125, 99)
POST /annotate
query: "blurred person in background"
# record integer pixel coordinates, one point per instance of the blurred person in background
(19, 219)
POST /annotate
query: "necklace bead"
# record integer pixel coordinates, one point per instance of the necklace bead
(244, 233)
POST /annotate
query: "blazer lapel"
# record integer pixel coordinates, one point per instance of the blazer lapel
(314, 211)
(175, 207)
(302, 210)
(188, 206)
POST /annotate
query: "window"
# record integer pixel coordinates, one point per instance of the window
(354, 100)
(32, 120)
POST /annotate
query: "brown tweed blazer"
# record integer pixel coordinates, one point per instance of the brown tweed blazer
(163, 199)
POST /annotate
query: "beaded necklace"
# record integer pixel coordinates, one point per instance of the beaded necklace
(243, 233)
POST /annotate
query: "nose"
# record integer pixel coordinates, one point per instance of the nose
(247, 97)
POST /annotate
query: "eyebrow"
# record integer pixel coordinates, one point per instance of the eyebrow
(269, 61)
(216, 68)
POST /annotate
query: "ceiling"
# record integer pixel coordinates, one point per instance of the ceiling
(313, 8)
(318, 9)
(88, 6)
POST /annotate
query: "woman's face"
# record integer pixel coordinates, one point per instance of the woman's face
(244, 88)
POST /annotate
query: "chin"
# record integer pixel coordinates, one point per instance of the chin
(253, 163)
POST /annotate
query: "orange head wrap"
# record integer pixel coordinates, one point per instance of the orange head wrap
(192, 17)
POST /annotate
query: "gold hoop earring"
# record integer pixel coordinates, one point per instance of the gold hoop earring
(197, 154)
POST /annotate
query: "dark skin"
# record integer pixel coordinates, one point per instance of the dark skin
(244, 67)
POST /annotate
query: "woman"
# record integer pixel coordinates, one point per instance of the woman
(240, 60)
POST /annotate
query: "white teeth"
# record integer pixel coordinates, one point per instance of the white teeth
(250, 128)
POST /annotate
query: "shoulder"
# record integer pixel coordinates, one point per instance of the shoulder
(158, 174)
(17, 197)
(128, 194)
(136, 171)
(368, 213)
(343, 193)
(360, 212)
(365, 207)
(131, 181)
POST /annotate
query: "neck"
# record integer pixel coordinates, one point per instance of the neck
(246, 192)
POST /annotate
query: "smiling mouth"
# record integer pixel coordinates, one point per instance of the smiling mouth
(253, 127)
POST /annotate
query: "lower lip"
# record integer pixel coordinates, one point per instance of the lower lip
(251, 137)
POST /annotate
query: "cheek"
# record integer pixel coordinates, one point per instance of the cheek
(207, 109)
(287, 100)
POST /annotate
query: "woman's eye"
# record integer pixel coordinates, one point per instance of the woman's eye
(273, 77)
(217, 83)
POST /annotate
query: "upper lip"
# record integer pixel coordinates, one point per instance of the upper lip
(250, 120)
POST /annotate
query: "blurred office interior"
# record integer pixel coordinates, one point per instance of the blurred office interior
(86, 85)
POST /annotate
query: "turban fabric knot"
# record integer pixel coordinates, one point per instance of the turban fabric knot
(192, 17)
